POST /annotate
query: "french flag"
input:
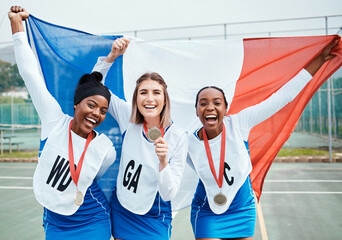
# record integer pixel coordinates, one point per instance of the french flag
(248, 70)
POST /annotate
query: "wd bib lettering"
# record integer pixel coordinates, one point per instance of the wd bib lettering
(52, 183)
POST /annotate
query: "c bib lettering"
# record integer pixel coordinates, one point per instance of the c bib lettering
(231, 181)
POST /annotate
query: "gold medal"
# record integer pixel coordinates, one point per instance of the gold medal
(220, 199)
(153, 133)
(78, 198)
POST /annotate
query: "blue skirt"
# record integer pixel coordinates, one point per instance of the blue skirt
(237, 222)
(91, 221)
(156, 224)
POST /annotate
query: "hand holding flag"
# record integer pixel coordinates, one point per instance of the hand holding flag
(16, 15)
(119, 47)
(324, 56)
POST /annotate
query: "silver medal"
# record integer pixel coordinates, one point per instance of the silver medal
(220, 199)
(78, 198)
(153, 133)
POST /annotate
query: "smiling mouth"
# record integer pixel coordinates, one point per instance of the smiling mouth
(210, 118)
(150, 107)
(92, 121)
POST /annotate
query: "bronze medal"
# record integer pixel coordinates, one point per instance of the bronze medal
(220, 199)
(153, 133)
(75, 173)
(78, 198)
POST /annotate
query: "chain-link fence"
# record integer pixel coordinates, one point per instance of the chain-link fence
(315, 120)
(18, 114)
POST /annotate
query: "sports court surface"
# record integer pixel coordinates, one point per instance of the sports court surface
(299, 201)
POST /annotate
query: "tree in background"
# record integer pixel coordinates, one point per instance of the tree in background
(9, 76)
(8, 100)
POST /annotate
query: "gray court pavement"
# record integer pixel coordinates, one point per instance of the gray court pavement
(299, 201)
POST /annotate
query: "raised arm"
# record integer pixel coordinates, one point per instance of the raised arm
(16, 15)
(324, 56)
(119, 47)
(250, 117)
(103, 65)
(47, 107)
(118, 108)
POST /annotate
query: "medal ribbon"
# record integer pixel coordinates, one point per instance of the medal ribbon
(75, 173)
(219, 181)
(161, 129)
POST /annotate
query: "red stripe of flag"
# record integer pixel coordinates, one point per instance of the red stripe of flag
(268, 65)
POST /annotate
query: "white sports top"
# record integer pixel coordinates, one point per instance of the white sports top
(238, 126)
(168, 180)
(48, 109)
(57, 193)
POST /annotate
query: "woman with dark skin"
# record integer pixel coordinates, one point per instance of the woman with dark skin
(223, 206)
(73, 156)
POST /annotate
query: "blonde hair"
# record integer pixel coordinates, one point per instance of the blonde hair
(136, 116)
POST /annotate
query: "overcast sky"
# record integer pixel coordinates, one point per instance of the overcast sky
(106, 16)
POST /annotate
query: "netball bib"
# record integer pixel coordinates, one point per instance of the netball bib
(52, 183)
(237, 165)
(138, 178)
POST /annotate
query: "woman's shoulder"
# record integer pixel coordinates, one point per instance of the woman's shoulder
(103, 139)
(231, 119)
(175, 129)
(61, 121)
(194, 140)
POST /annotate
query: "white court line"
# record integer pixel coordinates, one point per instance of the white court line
(298, 192)
(310, 169)
(11, 187)
(264, 192)
(10, 177)
(270, 181)
(298, 181)
(261, 219)
(18, 167)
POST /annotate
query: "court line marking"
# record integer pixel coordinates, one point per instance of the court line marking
(262, 225)
(269, 181)
(305, 181)
(264, 192)
(311, 169)
(11, 177)
(15, 188)
(18, 167)
(298, 192)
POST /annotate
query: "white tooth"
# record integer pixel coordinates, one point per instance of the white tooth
(91, 120)
(210, 116)
(150, 106)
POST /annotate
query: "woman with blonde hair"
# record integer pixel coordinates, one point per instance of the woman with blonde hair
(152, 160)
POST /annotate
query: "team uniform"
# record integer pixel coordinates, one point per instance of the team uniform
(141, 207)
(52, 183)
(236, 218)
